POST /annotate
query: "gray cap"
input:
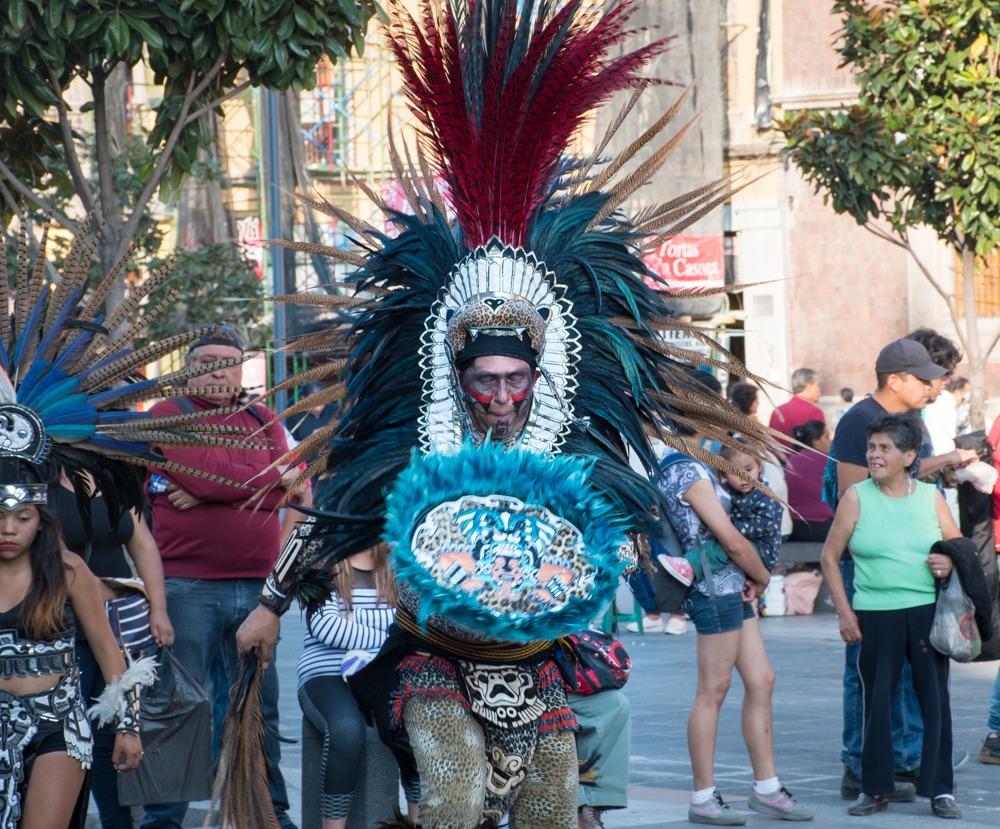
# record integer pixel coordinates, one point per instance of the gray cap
(910, 357)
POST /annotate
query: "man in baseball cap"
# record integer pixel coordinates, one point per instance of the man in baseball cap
(907, 357)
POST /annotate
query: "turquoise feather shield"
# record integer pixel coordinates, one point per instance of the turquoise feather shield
(509, 545)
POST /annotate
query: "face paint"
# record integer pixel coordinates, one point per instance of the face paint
(483, 400)
(519, 398)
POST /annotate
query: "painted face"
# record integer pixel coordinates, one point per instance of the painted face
(885, 460)
(232, 377)
(498, 392)
(749, 465)
(18, 529)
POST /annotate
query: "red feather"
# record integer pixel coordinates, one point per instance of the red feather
(496, 135)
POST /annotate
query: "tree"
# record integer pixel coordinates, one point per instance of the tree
(922, 144)
(201, 51)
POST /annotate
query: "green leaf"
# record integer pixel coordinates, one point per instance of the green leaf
(90, 23)
(147, 32)
(351, 11)
(17, 14)
(306, 21)
(119, 34)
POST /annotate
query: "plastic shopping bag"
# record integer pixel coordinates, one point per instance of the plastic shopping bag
(954, 632)
(176, 723)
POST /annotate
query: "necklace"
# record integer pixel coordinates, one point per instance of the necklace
(907, 488)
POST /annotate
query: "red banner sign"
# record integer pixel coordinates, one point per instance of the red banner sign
(688, 262)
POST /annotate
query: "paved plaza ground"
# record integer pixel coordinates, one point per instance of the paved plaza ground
(808, 656)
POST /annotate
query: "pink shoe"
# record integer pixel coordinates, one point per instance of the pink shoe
(677, 567)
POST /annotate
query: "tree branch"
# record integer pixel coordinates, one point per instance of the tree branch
(75, 168)
(992, 345)
(232, 93)
(27, 192)
(192, 94)
(949, 300)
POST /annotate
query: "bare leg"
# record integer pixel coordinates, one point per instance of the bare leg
(758, 679)
(450, 750)
(716, 657)
(547, 798)
(55, 782)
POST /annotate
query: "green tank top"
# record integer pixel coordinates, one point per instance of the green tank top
(890, 545)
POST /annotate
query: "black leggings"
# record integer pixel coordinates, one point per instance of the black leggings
(887, 638)
(330, 706)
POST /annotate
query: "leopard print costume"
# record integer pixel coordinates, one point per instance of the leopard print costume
(450, 749)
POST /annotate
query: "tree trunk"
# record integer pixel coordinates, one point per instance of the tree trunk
(110, 133)
(976, 358)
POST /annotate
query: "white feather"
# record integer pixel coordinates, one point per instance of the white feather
(111, 702)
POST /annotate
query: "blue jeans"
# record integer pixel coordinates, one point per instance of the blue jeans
(907, 724)
(993, 724)
(103, 777)
(206, 614)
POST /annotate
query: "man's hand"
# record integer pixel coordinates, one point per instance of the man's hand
(259, 630)
(289, 475)
(160, 627)
(181, 499)
(962, 457)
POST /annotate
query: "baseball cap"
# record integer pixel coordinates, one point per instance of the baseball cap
(908, 356)
(220, 335)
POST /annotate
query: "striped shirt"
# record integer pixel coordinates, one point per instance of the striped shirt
(333, 631)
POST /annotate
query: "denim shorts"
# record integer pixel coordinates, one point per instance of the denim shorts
(719, 615)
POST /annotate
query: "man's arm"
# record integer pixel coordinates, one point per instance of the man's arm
(956, 458)
(260, 629)
(848, 474)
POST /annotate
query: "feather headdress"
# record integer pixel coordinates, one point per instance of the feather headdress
(498, 89)
(69, 381)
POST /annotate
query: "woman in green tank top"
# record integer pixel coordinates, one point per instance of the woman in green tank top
(890, 521)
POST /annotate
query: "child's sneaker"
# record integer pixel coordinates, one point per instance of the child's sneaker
(677, 567)
(715, 812)
(779, 804)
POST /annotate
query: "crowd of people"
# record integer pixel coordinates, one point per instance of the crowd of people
(879, 494)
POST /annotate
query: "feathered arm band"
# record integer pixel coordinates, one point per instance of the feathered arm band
(119, 701)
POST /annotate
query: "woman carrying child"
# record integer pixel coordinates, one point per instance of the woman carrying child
(697, 507)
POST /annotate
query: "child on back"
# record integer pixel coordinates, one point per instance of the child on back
(757, 516)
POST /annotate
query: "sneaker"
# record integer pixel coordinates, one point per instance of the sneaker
(779, 804)
(945, 805)
(868, 804)
(648, 625)
(590, 818)
(959, 759)
(677, 567)
(715, 812)
(675, 626)
(990, 752)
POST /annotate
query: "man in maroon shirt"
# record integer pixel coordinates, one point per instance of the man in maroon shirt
(215, 554)
(802, 407)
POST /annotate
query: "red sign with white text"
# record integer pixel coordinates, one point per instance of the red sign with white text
(687, 262)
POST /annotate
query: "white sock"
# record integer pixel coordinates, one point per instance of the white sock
(769, 786)
(702, 795)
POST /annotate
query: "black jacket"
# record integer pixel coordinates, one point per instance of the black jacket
(965, 558)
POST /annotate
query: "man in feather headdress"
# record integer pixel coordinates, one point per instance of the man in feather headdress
(497, 376)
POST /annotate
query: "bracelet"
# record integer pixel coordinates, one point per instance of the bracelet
(119, 701)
